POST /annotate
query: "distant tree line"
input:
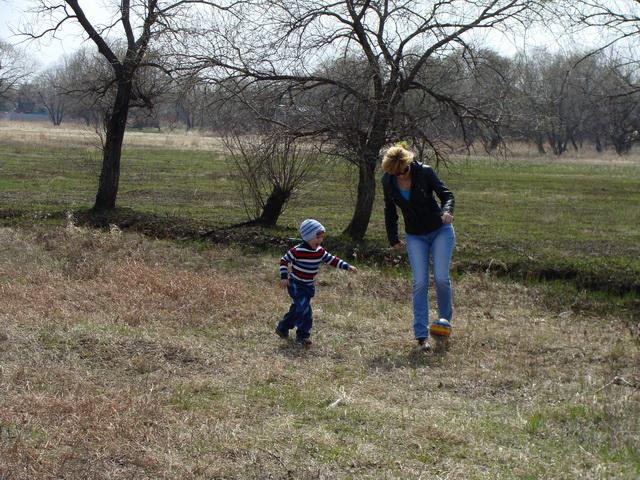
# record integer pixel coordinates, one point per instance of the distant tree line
(558, 102)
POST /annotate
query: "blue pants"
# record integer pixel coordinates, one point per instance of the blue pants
(300, 314)
(437, 246)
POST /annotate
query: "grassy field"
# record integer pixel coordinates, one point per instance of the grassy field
(124, 356)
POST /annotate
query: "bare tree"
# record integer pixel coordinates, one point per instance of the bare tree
(617, 105)
(52, 86)
(271, 167)
(280, 43)
(189, 102)
(564, 100)
(89, 84)
(490, 89)
(617, 21)
(612, 91)
(125, 44)
(14, 68)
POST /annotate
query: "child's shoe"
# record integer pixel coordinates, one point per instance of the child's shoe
(282, 334)
(305, 342)
(440, 328)
(423, 345)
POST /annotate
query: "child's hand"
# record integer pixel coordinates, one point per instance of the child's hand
(284, 283)
(352, 269)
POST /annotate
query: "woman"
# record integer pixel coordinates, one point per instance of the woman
(411, 185)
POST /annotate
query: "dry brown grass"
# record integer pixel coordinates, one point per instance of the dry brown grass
(72, 135)
(122, 357)
(520, 151)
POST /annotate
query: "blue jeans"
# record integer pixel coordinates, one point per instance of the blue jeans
(300, 314)
(437, 245)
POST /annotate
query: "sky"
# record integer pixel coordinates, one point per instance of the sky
(48, 51)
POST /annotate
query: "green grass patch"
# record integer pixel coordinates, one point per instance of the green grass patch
(186, 397)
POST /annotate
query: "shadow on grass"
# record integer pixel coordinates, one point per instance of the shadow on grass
(288, 347)
(410, 358)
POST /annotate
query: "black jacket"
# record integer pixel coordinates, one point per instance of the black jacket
(422, 212)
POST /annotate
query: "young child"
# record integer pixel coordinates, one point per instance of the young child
(305, 261)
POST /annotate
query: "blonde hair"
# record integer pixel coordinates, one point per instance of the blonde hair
(397, 158)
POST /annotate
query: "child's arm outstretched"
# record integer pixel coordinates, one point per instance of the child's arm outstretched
(336, 262)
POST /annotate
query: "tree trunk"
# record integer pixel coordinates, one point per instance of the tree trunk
(58, 116)
(366, 195)
(273, 207)
(539, 141)
(492, 142)
(599, 147)
(574, 144)
(116, 126)
(622, 144)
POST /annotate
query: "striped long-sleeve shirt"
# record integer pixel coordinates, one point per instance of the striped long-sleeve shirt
(305, 262)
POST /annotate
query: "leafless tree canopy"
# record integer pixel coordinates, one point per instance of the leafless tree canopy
(271, 168)
(14, 68)
(356, 63)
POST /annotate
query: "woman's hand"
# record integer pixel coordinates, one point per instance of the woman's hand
(399, 245)
(447, 217)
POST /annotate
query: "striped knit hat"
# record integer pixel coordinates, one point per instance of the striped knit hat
(310, 228)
